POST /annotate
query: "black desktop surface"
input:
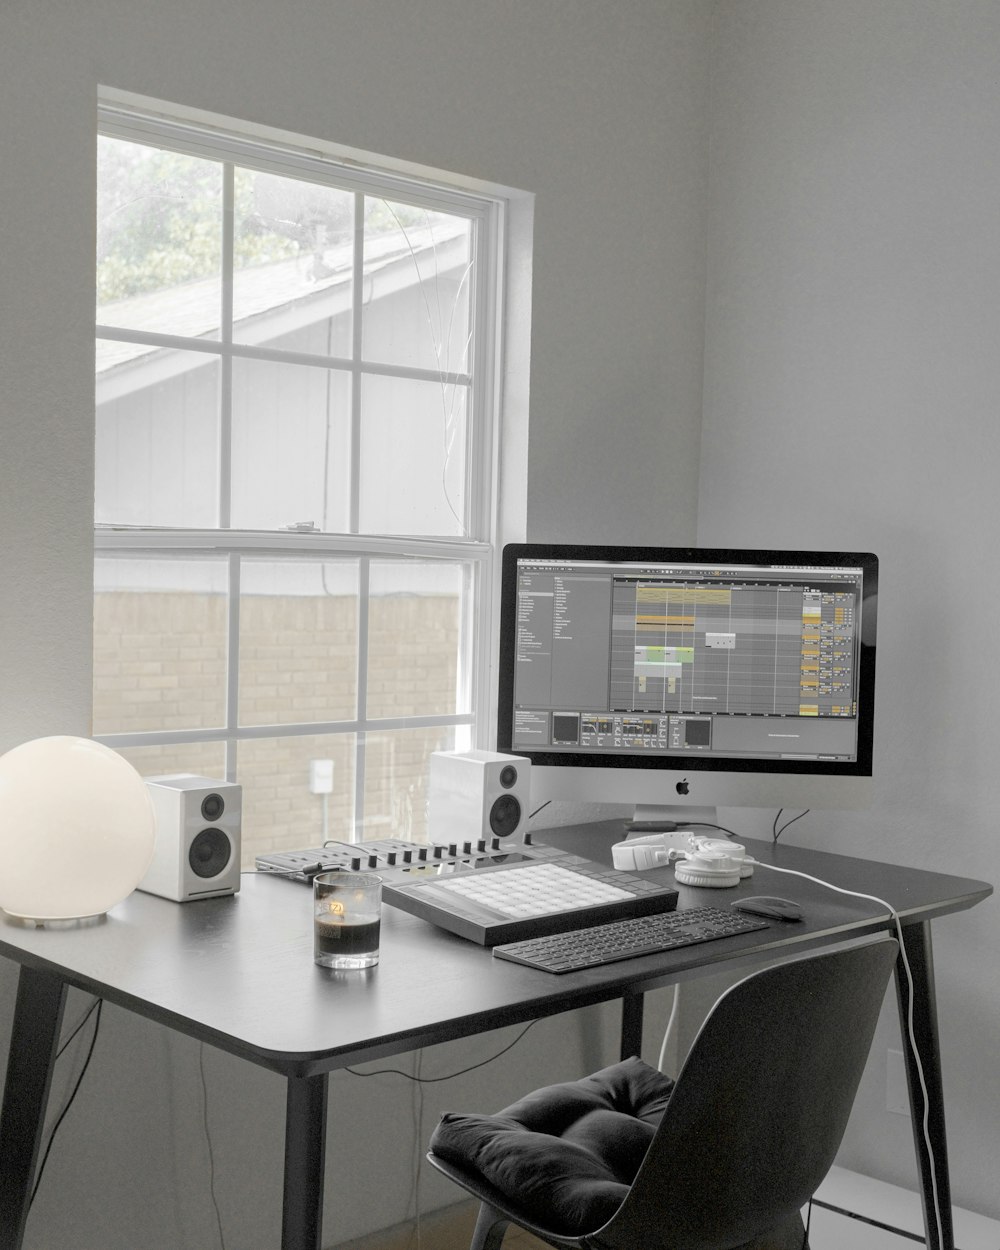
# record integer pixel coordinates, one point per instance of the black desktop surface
(238, 971)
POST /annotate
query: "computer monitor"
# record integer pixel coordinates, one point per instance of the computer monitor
(679, 680)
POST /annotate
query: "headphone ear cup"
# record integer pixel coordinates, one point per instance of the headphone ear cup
(690, 874)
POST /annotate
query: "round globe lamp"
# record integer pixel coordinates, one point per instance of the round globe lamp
(76, 830)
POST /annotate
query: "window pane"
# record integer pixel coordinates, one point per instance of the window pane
(415, 660)
(159, 644)
(293, 264)
(204, 759)
(159, 239)
(157, 442)
(418, 275)
(413, 457)
(397, 764)
(291, 447)
(280, 813)
(298, 641)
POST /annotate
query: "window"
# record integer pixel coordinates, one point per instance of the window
(295, 466)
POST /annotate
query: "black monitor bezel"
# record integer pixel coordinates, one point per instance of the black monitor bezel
(866, 561)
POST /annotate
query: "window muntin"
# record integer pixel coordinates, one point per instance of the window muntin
(302, 408)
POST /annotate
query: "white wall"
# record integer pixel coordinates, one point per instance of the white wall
(851, 401)
(599, 110)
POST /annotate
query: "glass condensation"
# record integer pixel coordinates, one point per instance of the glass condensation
(160, 644)
(418, 282)
(280, 810)
(157, 437)
(291, 461)
(159, 240)
(414, 447)
(415, 639)
(298, 641)
(293, 256)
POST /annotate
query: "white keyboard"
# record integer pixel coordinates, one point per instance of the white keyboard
(532, 890)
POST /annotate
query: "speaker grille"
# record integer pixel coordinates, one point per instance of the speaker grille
(209, 853)
(505, 815)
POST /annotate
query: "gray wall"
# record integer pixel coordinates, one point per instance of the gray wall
(851, 400)
(596, 108)
(851, 391)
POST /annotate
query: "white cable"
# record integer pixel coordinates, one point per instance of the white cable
(670, 1025)
(911, 1033)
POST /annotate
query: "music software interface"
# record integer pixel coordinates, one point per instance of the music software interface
(687, 660)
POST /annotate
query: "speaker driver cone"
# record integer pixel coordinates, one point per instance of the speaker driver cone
(505, 815)
(209, 853)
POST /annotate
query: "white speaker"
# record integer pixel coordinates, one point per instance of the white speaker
(477, 794)
(197, 850)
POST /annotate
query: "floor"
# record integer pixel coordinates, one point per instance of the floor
(872, 1202)
(450, 1229)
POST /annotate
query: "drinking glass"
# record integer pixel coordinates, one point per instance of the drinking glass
(347, 912)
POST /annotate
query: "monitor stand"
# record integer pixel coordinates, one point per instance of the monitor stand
(665, 819)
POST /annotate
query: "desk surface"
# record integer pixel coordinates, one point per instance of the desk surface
(238, 973)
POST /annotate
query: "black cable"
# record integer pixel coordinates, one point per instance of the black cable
(208, 1139)
(86, 1016)
(704, 824)
(431, 1080)
(65, 1110)
(539, 808)
(776, 832)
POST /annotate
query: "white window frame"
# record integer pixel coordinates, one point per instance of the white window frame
(477, 550)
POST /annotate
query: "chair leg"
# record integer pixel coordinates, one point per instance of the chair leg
(489, 1230)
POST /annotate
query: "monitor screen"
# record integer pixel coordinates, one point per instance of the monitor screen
(682, 676)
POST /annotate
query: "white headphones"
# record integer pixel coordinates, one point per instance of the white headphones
(712, 863)
(697, 860)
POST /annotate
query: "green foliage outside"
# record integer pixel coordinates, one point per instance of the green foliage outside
(160, 219)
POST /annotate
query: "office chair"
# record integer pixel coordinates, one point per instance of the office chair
(723, 1158)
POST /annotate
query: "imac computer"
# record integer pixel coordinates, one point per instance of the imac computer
(679, 680)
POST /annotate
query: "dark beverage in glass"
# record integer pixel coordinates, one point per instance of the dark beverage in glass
(352, 938)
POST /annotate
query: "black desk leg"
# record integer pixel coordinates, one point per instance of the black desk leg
(305, 1155)
(932, 1149)
(632, 1004)
(34, 1039)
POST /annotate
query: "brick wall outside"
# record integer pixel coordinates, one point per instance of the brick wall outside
(160, 664)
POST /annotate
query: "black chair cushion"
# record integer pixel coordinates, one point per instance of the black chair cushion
(565, 1155)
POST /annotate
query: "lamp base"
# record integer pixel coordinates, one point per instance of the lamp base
(62, 922)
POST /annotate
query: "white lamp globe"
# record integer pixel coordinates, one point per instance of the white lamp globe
(76, 829)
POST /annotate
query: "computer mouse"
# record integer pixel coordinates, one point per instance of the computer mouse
(770, 908)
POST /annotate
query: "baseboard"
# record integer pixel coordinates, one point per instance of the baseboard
(867, 1214)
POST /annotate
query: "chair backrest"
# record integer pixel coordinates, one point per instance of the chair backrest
(760, 1106)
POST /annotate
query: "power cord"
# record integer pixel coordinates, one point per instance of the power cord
(910, 1027)
(776, 832)
(208, 1141)
(450, 1076)
(95, 1006)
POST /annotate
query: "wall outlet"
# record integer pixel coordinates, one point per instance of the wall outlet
(321, 776)
(897, 1094)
